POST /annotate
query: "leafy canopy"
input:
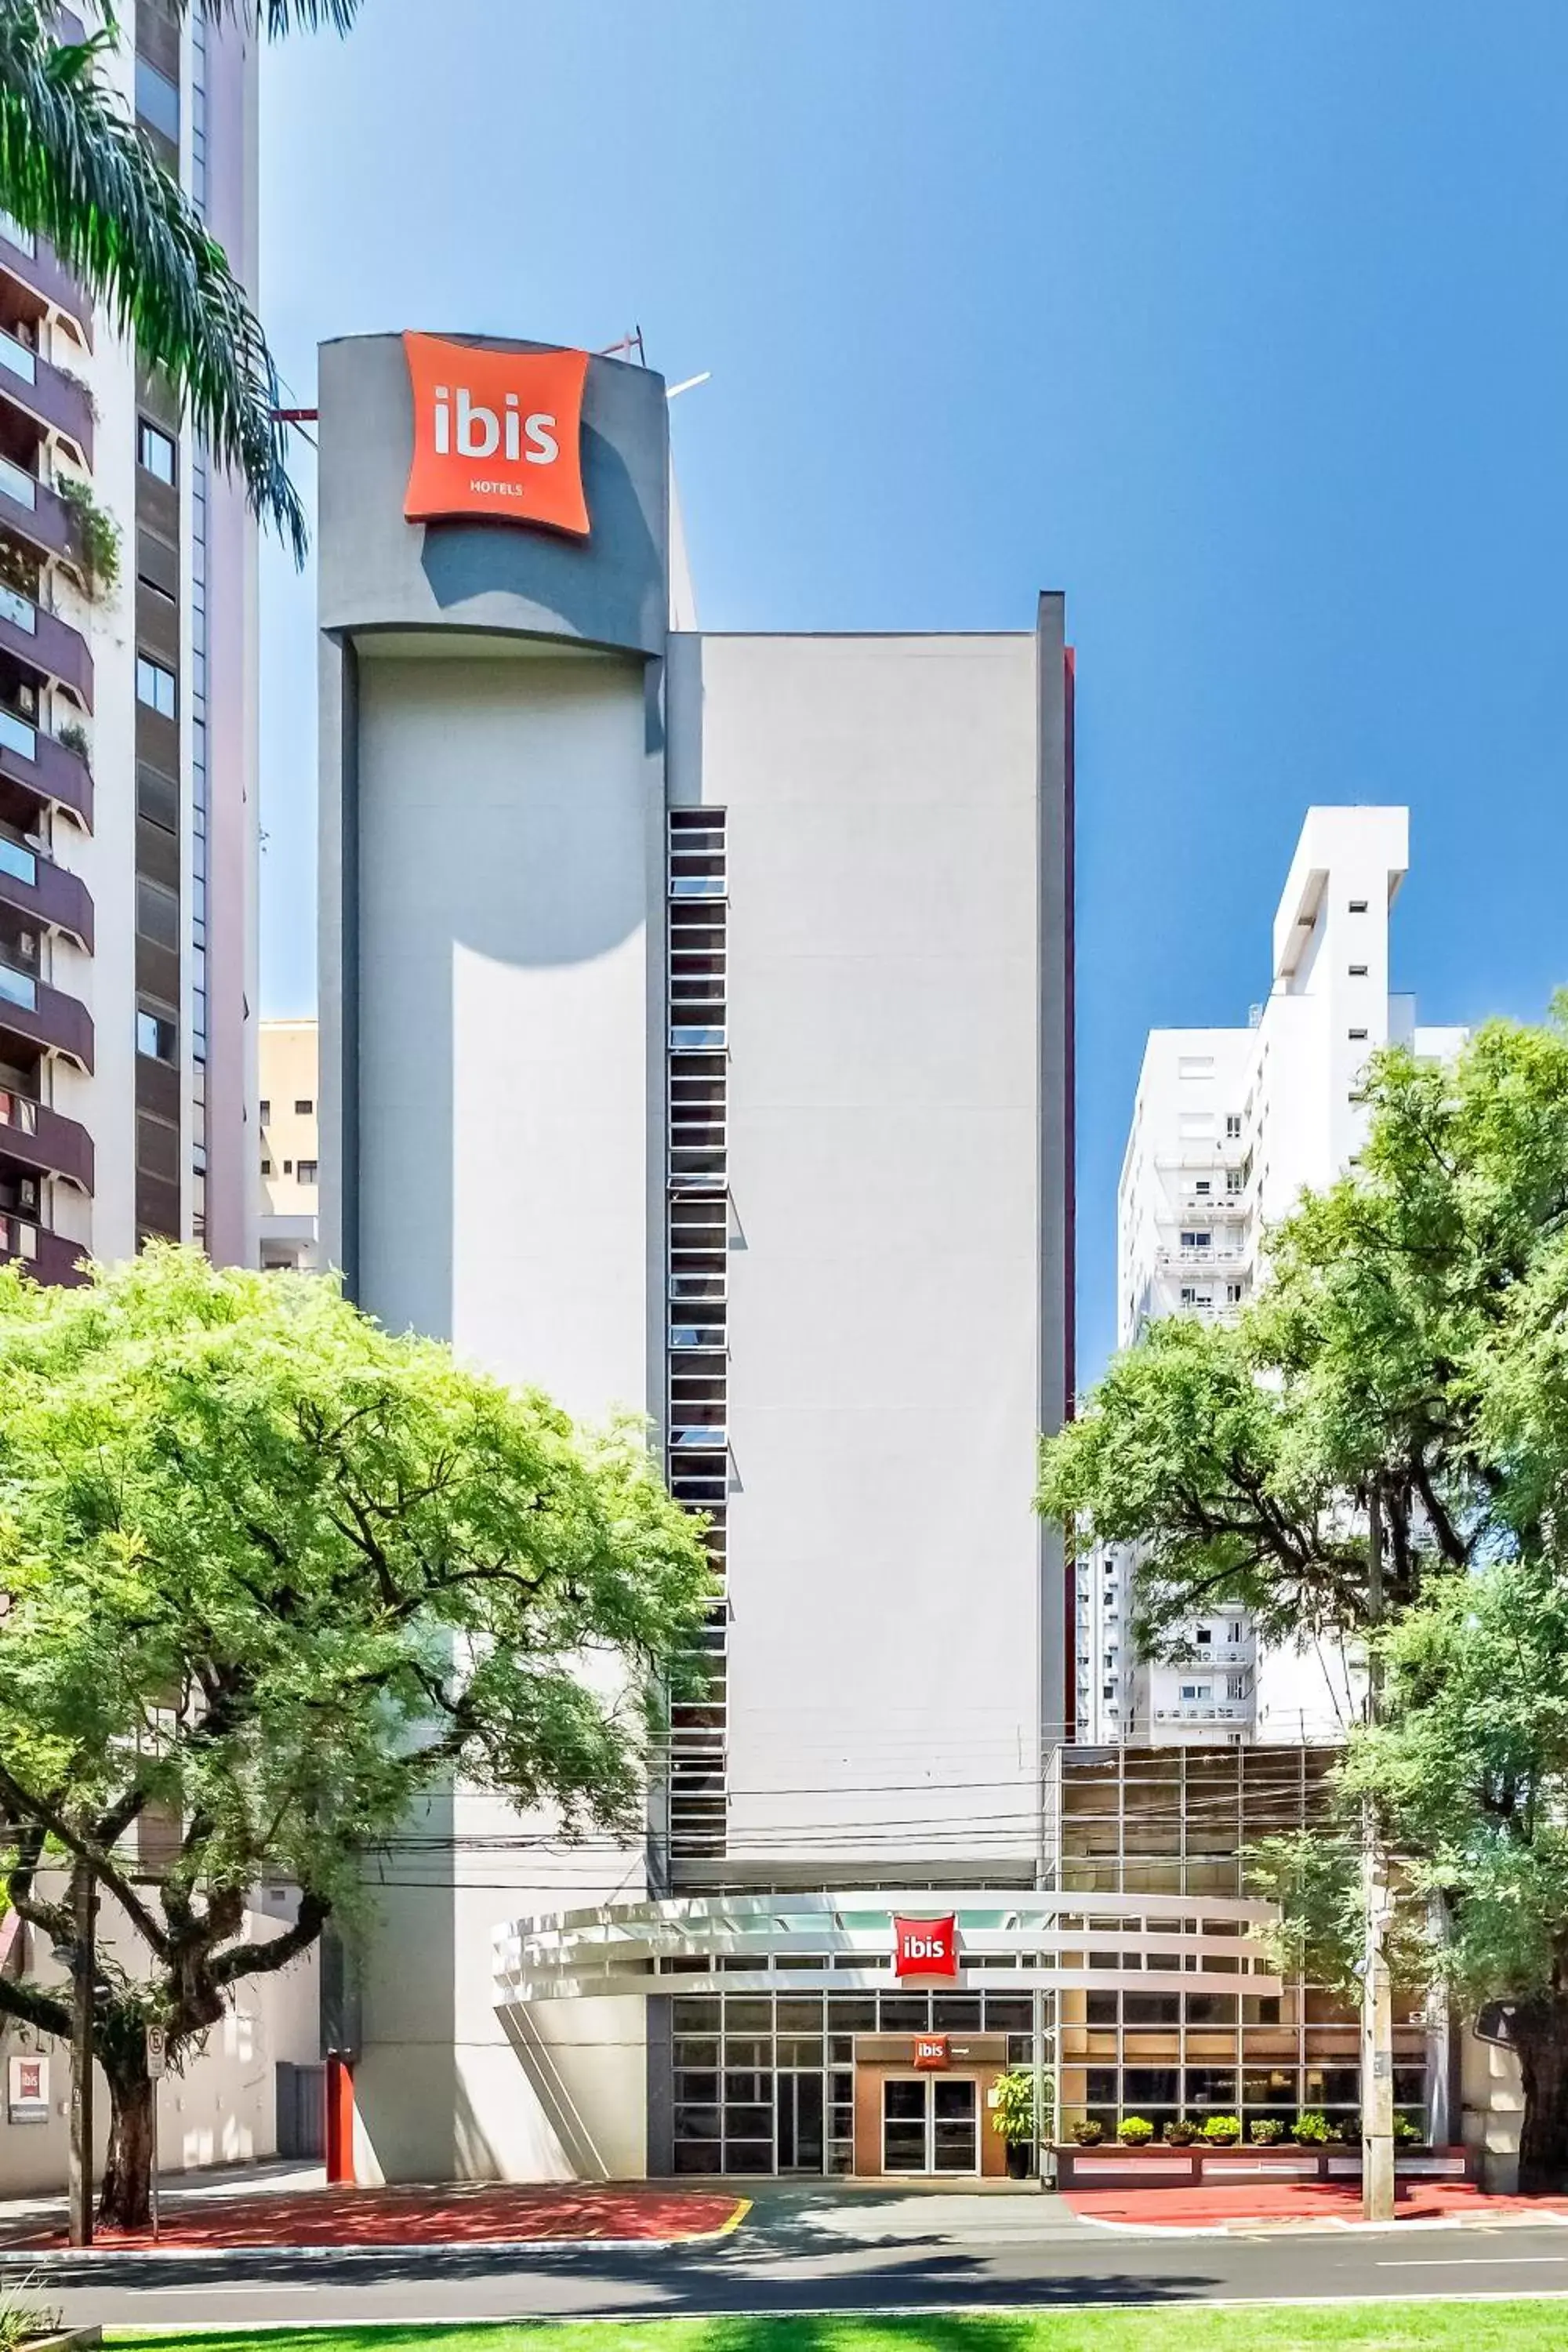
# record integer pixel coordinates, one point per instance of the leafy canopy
(265, 1572)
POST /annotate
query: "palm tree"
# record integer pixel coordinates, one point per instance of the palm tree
(74, 170)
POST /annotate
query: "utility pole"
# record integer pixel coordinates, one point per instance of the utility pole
(84, 1914)
(1376, 1997)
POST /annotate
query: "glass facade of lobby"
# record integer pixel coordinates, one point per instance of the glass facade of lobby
(765, 2083)
(1178, 1820)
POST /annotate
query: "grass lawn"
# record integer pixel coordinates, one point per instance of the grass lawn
(1166, 2328)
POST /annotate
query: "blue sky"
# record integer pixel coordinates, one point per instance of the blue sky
(1244, 321)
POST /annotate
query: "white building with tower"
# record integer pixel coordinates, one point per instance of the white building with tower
(1228, 1127)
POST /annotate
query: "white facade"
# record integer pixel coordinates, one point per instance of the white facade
(288, 1132)
(1228, 1127)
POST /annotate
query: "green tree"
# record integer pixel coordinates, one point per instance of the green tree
(267, 1574)
(74, 169)
(1467, 1768)
(1409, 1350)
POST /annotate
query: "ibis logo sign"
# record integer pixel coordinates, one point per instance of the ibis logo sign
(925, 1948)
(497, 433)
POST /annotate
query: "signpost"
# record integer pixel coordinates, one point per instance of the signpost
(157, 2064)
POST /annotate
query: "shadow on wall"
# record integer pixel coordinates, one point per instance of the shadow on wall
(566, 576)
(539, 2064)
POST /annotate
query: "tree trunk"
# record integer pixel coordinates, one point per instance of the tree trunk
(125, 2202)
(1542, 2028)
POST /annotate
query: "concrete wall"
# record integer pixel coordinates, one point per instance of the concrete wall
(886, 1246)
(222, 2110)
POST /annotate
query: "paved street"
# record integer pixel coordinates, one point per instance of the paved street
(832, 2249)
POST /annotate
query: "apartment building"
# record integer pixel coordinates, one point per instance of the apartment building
(289, 1129)
(1228, 1125)
(127, 731)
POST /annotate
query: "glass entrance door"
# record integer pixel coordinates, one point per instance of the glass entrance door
(931, 2123)
(800, 2113)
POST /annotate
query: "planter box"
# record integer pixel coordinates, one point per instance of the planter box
(1187, 2167)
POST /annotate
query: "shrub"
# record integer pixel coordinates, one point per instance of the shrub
(1265, 2131)
(1089, 2133)
(73, 735)
(1180, 2134)
(1134, 2131)
(1310, 2130)
(20, 2320)
(95, 537)
(1222, 2131)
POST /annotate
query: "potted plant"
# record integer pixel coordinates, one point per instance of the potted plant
(1181, 2133)
(1222, 2131)
(1012, 2117)
(1265, 2131)
(1405, 2133)
(1089, 2133)
(1134, 2131)
(1310, 2129)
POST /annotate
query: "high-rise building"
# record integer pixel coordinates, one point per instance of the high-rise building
(289, 1129)
(719, 988)
(1228, 1127)
(127, 730)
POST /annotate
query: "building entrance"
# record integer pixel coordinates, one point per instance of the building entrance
(800, 2123)
(931, 2123)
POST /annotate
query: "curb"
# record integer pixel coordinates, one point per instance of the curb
(54, 2257)
(1272, 2226)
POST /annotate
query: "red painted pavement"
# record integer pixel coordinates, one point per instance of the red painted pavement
(1310, 2203)
(481, 2215)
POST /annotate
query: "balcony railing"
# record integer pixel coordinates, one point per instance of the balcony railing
(49, 644)
(35, 885)
(53, 1020)
(33, 512)
(45, 766)
(33, 1135)
(46, 392)
(47, 1257)
(35, 261)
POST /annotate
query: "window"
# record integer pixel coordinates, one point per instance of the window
(156, 687)
(307, 1172)
(1234, 1180)
(1357, 1036)
(157, 1035)
(1232, 1294)
(1195, 1065)
(157, 913)
(1358, 906)
(1233, 1127)
(1194, 1693)
(266, 1167)
(288, 1168)
(158, 100)
(1192, 1239)
(1202, 1184)
(1204, 1634)
(1358, 971)
(155, 450)
(304, 1109)
(264, 1110)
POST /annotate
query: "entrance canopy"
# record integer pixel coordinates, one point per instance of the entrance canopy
(880, 1939)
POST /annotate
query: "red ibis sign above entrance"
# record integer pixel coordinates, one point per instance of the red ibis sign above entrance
(925, 1948)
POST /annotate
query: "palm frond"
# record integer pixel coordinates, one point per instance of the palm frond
(74, 170)
(281, 16)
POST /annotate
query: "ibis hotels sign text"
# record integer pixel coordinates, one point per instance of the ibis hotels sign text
(497, 433)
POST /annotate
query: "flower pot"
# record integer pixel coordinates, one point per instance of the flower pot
(1018, 2154)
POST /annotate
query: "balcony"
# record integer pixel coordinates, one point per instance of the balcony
(39, 637)
(33, 1137)
(34, 513)
(44, 766)
(35, 263)
(38, 1015)
(47, 1256)
(1199, 1259)
(35, 887)
(50, 396)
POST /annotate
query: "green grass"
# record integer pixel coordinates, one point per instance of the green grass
(1165, 2327)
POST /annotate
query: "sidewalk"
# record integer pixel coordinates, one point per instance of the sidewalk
(1247, 2206)
(299, 2213)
